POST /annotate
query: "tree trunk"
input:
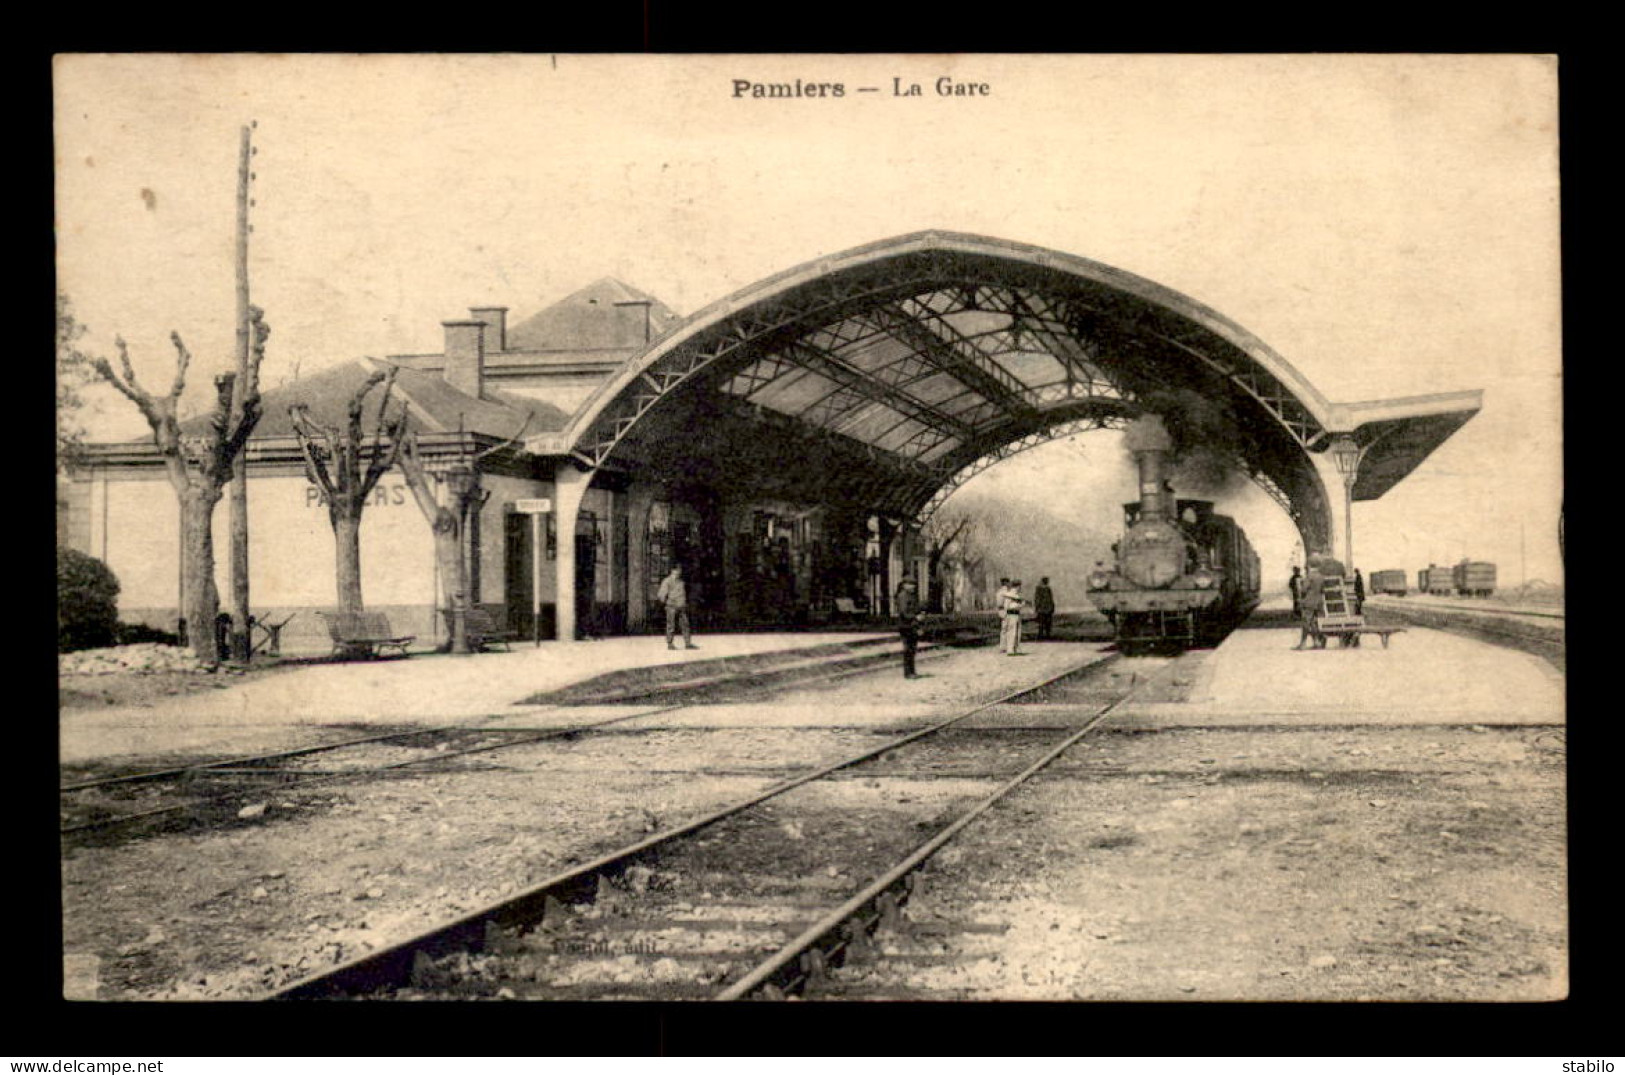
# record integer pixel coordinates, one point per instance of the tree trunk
(197, 565)
(347, 546)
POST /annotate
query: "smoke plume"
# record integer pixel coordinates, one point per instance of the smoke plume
(1206, 441)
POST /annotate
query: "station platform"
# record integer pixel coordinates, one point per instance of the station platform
(1257, 676)
(1254, 677)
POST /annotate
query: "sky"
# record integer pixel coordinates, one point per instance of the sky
(1388, 224)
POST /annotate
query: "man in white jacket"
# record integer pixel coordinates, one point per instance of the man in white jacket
(1010, 602)
(673, 593)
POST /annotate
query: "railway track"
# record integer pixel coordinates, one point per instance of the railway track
(209, 793)
(754, 899)
(1459, 609)
(1527, 637)
(1538, 633)
(206, 793)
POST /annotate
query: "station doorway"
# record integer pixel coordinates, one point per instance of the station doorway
(519, 574)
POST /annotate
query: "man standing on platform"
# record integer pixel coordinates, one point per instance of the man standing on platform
(906, 605)
(1011, 634)
(1309, 609)
(673, 593)
(1295, 584)
(1000, 600)
(1044, 606)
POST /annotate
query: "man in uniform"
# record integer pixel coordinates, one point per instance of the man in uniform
(906, 604)
(1044, 606)
(673, 593)
(1295, 584)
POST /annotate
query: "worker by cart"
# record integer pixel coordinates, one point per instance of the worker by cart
(1331, 608)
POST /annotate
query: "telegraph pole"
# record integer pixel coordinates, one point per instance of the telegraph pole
(240, 641)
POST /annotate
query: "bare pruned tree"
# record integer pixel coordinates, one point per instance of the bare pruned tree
(198, 465)
(448, 520)
(953, 540)
(939, 534)
(345, 465)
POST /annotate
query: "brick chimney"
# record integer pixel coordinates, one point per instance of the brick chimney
(465, 356)
(496, 326)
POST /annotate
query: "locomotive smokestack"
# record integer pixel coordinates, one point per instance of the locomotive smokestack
(1148, 439)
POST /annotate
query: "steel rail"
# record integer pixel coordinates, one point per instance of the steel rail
(224, 766)
(393, 964)
(608, 699)
(1498, 630)
(160, 774)
(536, 737)
(1501, 632)
(1519, 612)
(810, 937)
(1468, 610)
(864, 663)
(926, 653)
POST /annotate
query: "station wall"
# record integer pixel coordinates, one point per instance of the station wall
(134, 527)
(750, 562)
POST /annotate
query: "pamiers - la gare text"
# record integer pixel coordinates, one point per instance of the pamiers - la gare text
(944, 86)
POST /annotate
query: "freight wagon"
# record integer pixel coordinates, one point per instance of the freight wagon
(1473, 578)
(1435, 580)
(1389, 582)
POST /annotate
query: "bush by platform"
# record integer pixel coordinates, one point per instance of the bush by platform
(86, 602)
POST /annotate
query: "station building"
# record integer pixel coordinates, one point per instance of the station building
(783, 444)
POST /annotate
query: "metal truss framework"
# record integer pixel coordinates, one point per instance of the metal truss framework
(864, 356)
(1005, 451)
(1071, 428)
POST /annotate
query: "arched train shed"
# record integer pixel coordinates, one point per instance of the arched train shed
(786, 442)
(882, 377)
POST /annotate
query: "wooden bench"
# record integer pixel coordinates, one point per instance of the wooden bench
(483, 630)
(351, 631)
(271, 643)
(847, 609)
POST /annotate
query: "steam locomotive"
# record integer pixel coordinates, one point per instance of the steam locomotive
(1182, 575)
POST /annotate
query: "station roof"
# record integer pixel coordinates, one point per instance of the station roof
(917, 356)
(589, 333)
(884, 375)
(1398, 434)
(435, 406)
(604, 315)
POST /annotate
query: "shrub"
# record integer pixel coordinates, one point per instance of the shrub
(86, 602)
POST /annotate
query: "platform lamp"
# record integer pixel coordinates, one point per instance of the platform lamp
(466, 497)
(1347, 453)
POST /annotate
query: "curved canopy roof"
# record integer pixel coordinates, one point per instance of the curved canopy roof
(900, 364)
